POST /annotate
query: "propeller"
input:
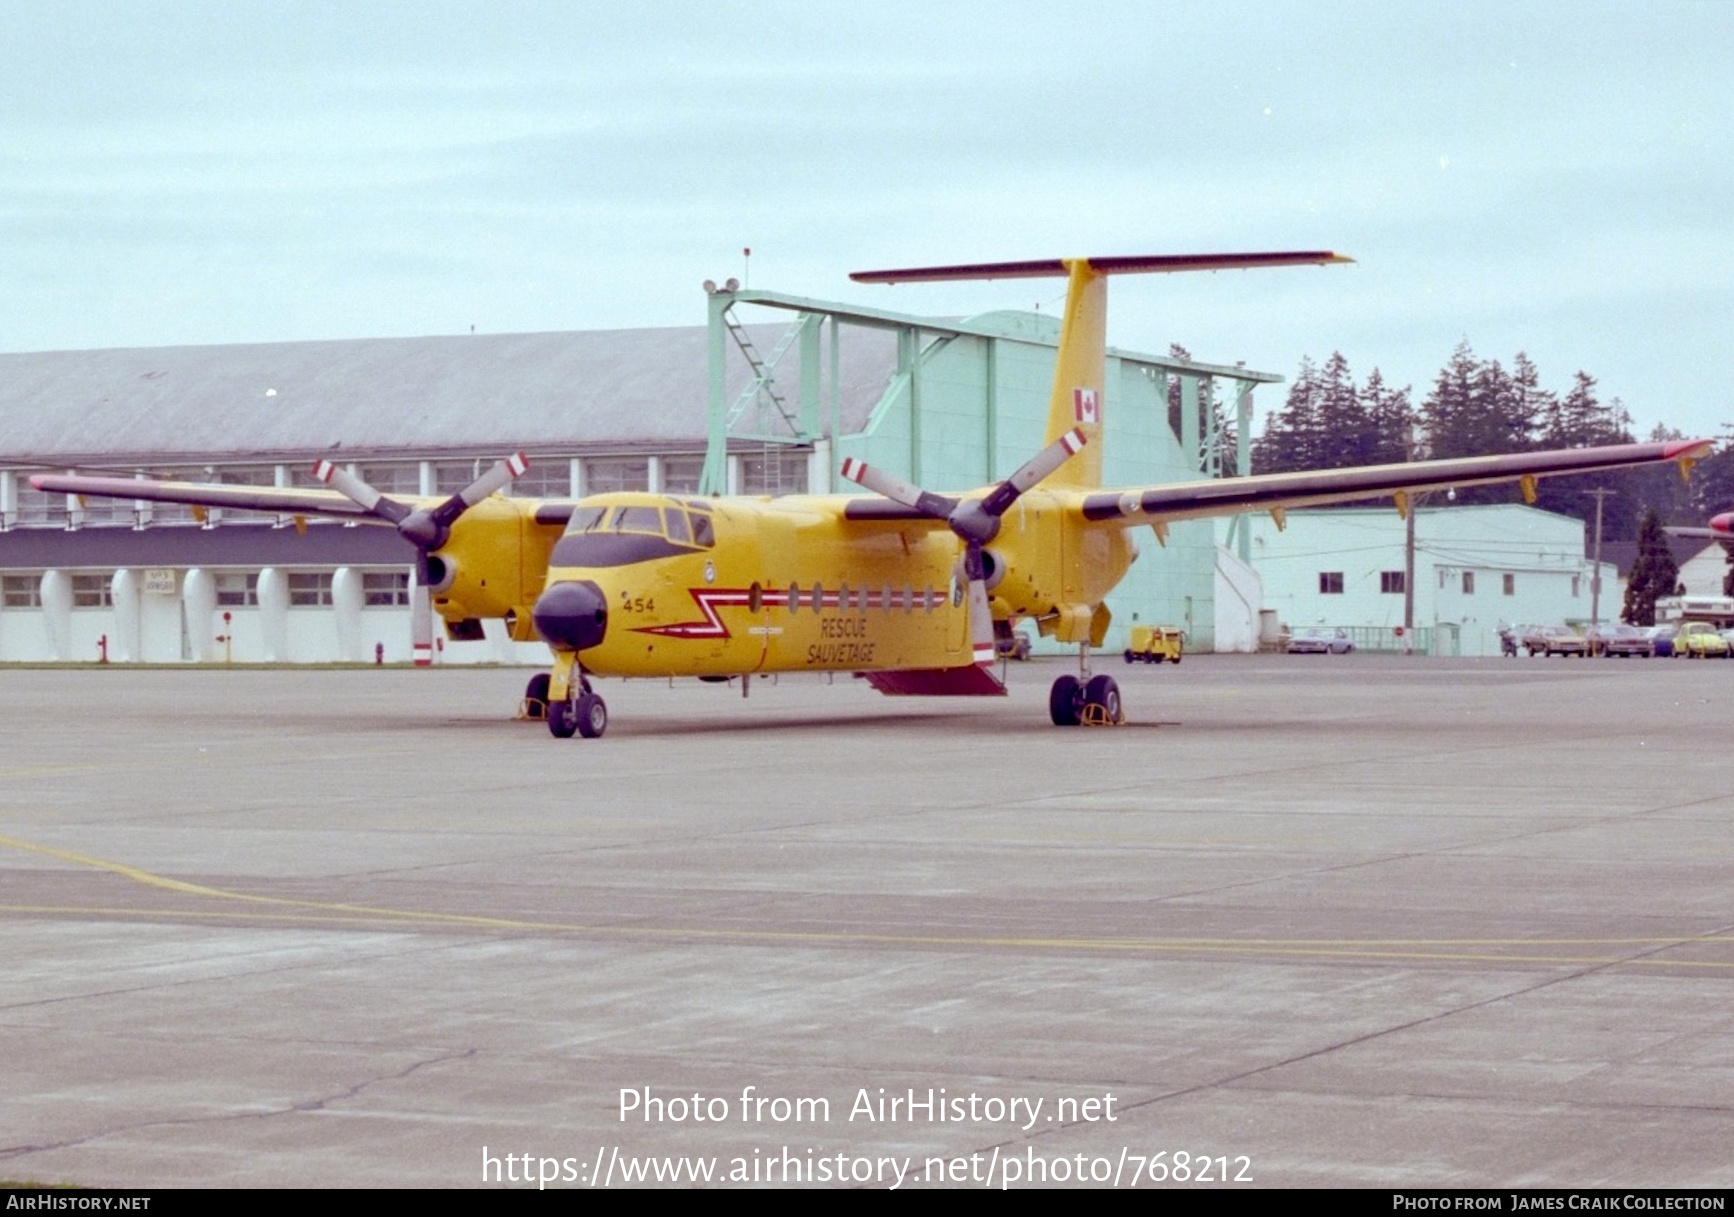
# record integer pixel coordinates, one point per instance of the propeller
(426, 528)
(975, 520)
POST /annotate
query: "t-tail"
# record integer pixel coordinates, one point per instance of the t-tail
(1079, 398)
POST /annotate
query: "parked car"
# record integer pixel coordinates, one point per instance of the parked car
(1699, 640)
(1320, 640)
(1552, 640)
(1661, 640)
(1622, 640)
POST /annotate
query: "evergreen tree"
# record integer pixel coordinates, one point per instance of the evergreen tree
(1389, 418)
(1654, 574)
(1290, 439)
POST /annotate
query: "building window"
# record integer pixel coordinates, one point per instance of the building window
(237, 590)
(38, 507)
(1468, 583)
(546, 478)
(452, 476)
(1330, 583)
(20, 591)
(1574, 586)
(383, 589)
(399, 479)
(777, 470)
(92, 591)
(1510, 584)
(1391, 582)
(605, 476)
(309, 590)
(681, 474)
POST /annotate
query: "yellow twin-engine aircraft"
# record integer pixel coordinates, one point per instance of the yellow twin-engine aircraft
(909, 589)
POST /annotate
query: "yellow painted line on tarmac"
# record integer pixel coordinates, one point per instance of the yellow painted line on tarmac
(1395, 949)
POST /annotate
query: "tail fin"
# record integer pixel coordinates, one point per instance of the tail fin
(1079, 392)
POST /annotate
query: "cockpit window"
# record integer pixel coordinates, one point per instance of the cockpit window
(678, 532)
(638, 519)
(703, 533)
(586, 518)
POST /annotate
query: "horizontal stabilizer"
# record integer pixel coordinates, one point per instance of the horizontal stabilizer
(1052, 268)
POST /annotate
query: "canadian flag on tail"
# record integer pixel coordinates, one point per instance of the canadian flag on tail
(1085, 408)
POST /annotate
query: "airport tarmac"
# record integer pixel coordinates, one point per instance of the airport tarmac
(1307, 920)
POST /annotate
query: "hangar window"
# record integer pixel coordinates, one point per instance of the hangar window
(39, 507)
(1468, 583)
(1510, 584)
(452, 476)
(1391, 582)
(546, 478)
(309, 590)
(398, 478)
(606, 476)
(383, 589)
(174, 513)
(100, 511)
(783, 471)
(1330, 583)
(92, 591)
(20, 591)
(1574, 586)
(237, 590)
(681, 474)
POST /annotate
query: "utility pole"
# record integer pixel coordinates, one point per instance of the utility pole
(1411, 446)
(1596, 573)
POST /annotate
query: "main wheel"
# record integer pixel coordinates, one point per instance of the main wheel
(1065, 699)
(1129, 656)
(592, 715)
(1104, 693)
(536, 696)
(562, 719)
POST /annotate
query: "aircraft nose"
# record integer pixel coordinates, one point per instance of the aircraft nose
(1723, 523)
(572, 616)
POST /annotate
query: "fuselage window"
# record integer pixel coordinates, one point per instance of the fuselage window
(843, 597)
(928, 599)
(755, 597)
(794, 601)
(909, 597)
(818, 596)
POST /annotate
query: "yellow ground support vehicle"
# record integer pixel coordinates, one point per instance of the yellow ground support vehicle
(1154, 643)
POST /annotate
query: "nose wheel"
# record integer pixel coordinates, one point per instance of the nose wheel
(1092, 702)
(585, 715)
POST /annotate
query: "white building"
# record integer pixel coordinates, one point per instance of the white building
(1477, 568)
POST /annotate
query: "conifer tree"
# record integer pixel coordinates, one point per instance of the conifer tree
(1654, 574)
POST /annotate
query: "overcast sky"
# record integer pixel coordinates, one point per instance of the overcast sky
(1551, 178)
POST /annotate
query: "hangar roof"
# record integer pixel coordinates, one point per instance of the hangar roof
(615, 389)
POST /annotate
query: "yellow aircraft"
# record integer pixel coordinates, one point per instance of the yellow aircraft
(908, 588)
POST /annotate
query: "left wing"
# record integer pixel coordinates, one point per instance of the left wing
(289, 501)
(1272, 491)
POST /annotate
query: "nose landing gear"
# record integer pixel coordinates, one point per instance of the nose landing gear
(584, 714)
(1092, 701)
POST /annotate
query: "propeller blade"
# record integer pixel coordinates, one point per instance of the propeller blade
(981, 637)
(421, 629)
(359, 492)
(999, 500)
(897, 490)
(496, 478)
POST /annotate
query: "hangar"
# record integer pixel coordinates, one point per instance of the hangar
(727, 407)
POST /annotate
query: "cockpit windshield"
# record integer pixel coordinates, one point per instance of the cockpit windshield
(610, 534)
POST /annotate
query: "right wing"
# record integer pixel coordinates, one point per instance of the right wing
(1310, 488)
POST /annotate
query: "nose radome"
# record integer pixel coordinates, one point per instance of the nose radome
(572, 615)
(1723, 523)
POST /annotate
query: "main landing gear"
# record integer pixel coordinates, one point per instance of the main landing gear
(584, 714)
(1084, 699)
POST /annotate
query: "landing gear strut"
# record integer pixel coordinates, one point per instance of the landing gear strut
(1085, 698)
